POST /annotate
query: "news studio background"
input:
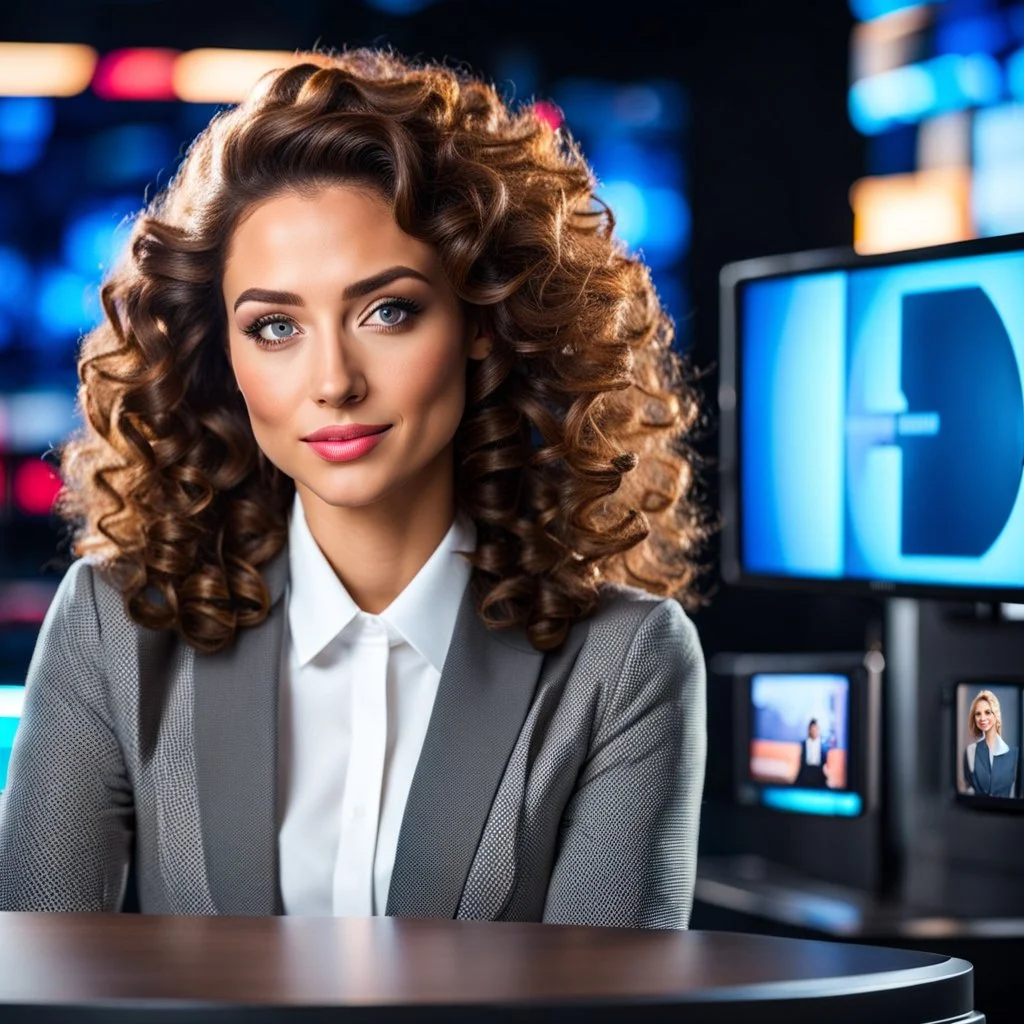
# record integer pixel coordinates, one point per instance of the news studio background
(719, 131)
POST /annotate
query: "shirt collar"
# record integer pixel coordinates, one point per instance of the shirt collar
(423, 614)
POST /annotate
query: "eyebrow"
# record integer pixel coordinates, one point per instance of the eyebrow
(354, 291)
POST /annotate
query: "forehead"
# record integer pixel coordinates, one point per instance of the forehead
(335, 231)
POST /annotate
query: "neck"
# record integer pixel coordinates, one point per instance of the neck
(990, 737)
(377, 549)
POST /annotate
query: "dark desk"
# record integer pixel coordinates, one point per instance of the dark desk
(88, 969)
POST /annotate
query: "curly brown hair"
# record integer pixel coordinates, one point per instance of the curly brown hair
(572, 455)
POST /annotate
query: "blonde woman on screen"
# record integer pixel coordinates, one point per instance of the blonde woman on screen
(990, 764)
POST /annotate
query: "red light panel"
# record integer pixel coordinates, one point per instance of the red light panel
(549, 113)
(35, 487)
(137, 74)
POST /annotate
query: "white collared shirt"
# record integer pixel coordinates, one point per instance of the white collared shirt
(814, 751)
(356, 693)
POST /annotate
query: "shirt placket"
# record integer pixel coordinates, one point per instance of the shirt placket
(360, 806)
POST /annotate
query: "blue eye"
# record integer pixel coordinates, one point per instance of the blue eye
(392, 313)
(271, 330)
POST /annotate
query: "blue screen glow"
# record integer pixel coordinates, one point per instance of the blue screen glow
(11, 700)
(881, 424)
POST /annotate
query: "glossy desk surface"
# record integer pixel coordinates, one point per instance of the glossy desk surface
(127, 967)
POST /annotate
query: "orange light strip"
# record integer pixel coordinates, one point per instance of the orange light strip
(905, 211)
(46, 69)
(225, 76)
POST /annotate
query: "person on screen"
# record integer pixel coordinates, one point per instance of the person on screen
(384, 519)
(813, 754)
(990, 763)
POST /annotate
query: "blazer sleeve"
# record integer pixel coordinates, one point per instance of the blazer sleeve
(67, 815)
(627, 851)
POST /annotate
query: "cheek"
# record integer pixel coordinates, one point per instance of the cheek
(267, 395)
(435, 385)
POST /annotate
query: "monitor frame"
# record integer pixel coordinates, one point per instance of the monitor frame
(732, 278)
(863, 669)
(998, 804)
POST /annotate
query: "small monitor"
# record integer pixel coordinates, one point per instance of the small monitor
(12, 698)
(988, 727)
(805, 734)
(873, 421)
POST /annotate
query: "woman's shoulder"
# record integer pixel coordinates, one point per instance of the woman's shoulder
(87, 599)
(630, 624)
(628, 607)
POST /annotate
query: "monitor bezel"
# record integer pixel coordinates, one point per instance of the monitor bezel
(863, 761)
(999, 804)
(732, 279)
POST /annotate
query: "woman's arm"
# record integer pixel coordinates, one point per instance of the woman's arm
(66, 817)
(627, 853)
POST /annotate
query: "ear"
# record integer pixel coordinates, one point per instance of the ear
(481, 343)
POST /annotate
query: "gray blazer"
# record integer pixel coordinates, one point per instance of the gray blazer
(563, 787)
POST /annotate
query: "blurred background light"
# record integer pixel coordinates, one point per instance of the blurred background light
(223, 75)
(866, 10)
(26, 601)
(998, 186)
(95, 237)
(399, 6)
(983, 33)
(34, 487)
(136, 74)
(1015, 75)
(910, 93)
(15, 286)
(592, 104)
(130, 152)
(36, 420)
(903, 211)
(62, 304)
(549, 113)
(888, 43)
(25, 126)
(45, 69)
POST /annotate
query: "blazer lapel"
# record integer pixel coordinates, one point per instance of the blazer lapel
(235, 724)
(482, 699)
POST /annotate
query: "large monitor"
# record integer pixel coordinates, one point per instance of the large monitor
(873, 420)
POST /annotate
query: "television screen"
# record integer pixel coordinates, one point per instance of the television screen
(799, 756)
(987, 744)
(11, 700)
(875, 412)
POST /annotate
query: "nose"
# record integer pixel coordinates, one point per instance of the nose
(337, 377)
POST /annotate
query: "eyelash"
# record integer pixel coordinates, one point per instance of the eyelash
(409, 306)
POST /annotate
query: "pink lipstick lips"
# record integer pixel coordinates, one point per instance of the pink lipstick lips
(344, 443)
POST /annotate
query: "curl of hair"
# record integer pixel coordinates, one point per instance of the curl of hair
(572, 456)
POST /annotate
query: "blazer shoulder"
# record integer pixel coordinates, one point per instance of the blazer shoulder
(87, 602)
(631, 630)
(624, 610)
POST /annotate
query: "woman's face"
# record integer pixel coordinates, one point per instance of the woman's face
(984, 717)
(338, 319)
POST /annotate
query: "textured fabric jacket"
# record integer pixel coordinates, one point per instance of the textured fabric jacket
(562, 787)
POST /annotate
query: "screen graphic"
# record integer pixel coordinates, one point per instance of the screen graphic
(799, 742)
(882, 423)
(988, 738)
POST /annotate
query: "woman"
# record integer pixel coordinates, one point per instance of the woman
(990, 763)
(381, 498)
